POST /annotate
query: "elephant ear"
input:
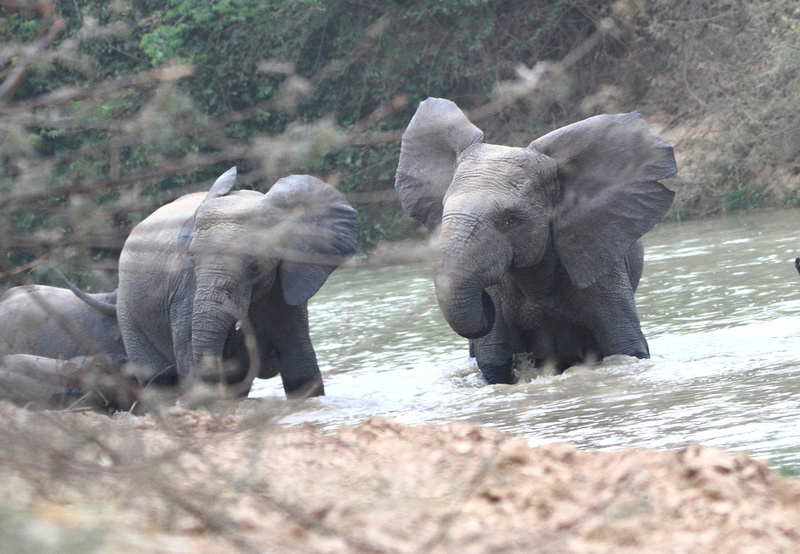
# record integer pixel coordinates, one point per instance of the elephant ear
(221, 187)
(223, 184)
(316, 231)
(609, 168)
(436, 135)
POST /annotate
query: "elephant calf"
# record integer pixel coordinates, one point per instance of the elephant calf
(214, 286)
(539, 250)
(93, 381)
(57, 323)
(58, 345)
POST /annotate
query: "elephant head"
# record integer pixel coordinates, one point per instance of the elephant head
(580, 196)
(244, 245)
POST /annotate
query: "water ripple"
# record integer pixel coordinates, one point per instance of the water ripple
(719, 302)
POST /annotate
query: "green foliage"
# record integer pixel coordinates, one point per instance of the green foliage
(745, 198)
(664, 58)
(458, 49)
(163, 43)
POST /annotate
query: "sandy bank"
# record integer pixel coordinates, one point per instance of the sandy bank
(190, 481)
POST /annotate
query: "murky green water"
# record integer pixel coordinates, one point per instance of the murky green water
(720, 306)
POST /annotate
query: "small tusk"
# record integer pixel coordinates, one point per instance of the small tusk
(238, 325)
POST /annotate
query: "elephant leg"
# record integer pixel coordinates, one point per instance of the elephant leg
(611, 315)
(494, 354)
(26, 378)
(84, 380)
(182, 346)
(283, 337)
(620, 332)
(298, 361)
(146, 363)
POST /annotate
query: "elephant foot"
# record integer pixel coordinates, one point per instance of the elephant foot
(303, 389)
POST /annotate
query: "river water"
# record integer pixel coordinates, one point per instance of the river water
(719, 303)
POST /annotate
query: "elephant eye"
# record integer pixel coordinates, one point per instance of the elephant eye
(254, 271)
(510, 221)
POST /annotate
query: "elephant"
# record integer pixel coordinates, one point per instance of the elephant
(50, 383)
(59, 323)
(59, 347)
(539, 249)
(213, 287)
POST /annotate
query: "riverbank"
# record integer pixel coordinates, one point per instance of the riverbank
(231, 481)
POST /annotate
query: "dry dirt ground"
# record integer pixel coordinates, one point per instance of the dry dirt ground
(232, 481)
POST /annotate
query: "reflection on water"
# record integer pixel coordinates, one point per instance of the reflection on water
(719, 303)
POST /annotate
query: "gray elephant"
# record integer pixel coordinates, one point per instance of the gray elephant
(206, 273)
(59, 347)
(539, 250)
(50, 383)
(59, 323)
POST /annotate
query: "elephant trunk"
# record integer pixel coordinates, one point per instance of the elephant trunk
(471, 258)
(214, 314)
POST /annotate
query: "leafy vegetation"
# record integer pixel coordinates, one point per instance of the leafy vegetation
(158, 98)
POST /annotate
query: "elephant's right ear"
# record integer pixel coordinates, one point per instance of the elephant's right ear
(221, 187)
(436, 135)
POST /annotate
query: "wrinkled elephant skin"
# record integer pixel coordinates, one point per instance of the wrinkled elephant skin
(204, 274)
(539, 247)
(55, 323)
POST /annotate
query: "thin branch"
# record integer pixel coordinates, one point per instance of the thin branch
(542, 73)
(26, 267)
(16, 75)
(68, 94)
(372, 34)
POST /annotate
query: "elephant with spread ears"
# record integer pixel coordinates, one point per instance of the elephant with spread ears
(539, 249)
(216, 284)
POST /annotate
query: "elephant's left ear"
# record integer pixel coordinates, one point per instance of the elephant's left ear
(318, 231)
(223, 184)
(609, 168)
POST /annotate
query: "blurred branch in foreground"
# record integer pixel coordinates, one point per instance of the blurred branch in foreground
(81, 163)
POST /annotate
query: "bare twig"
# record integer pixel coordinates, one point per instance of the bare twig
(25, 267)
(372, 34)
(14, 78)
(542, 73)
(68, 94)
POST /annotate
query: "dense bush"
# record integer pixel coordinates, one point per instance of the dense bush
(730, 79)
(166, 95)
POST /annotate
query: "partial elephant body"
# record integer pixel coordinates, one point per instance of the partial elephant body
(539, 249)
(153, 287)
(59, 347)
(45, 382)
(213, 287)
(559, 324)
(55, 323)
